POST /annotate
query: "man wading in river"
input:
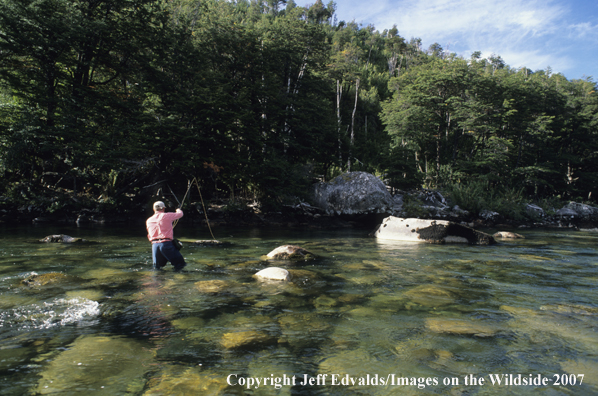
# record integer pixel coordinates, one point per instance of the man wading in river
(160, 234)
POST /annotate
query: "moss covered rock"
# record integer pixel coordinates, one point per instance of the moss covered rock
(192, 381)
(45, 279)
(214, 286)
(247, 339)
(431, 296)
(461, 327)
(99, 365)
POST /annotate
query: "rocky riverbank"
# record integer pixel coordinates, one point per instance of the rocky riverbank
(352, 200)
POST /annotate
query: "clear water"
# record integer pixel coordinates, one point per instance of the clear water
(396, 318)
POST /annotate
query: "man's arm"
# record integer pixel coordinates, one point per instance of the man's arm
(172, 216)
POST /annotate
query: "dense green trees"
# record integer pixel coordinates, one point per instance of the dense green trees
(72, 70)
(479, 120)
(102, 100)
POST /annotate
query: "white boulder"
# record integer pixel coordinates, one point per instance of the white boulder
(432, 231)
(274, 273)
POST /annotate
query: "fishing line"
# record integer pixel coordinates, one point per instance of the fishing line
(189, 184)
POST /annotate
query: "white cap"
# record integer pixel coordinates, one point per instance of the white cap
(159, 205)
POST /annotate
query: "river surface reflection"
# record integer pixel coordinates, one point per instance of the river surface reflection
(366, 317)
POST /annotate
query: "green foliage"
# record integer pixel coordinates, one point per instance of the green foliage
(413, 207)
(103, 101)
(475, 196)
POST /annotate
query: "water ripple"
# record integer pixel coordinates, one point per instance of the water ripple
(58, 312)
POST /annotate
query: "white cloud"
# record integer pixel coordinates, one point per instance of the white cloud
(534, 60)
(531, 33)
(509, 28)
(441, 18)
(584, 30)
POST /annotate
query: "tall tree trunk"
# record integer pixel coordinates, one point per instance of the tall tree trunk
(448, 125)
(339, 94)
(520, 150)
(295, 92)
(438, 155)
(353, 126)
(456, 145)
(50, 97)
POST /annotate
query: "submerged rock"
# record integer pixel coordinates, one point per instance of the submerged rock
(305, 278)
(431, 296)
(301, 330)
(432, 231)
(214, 286)
(583, 366)
(356, 363)
(508, 235)
(274, 273)
(324, 302)
(93, 362)
(460, 327)
(88, 294)
(61, 238)
(210, 242)
(247, 339)
(45, 279)
(191, 381)
(571, 309)
(303, 323)
(290, 252)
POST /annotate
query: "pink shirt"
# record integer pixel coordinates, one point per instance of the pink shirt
(159, 226)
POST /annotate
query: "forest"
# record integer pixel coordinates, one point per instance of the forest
(102, 101)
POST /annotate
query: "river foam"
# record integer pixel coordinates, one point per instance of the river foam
(58, 312)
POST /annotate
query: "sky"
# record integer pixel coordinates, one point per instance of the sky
(538, 34)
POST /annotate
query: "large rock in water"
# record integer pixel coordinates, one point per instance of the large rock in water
(61, 238)
(290, 252)
(354, 193)
(92, 362)
(274, 273)
(433, 231)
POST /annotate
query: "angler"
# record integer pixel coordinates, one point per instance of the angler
(160, 233)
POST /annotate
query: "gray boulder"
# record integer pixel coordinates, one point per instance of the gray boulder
(354, 193)
(432, 198)
(431, 231)
(582, 211)
(535, 211)
(489, 215)
(457, 213)
(566, 214)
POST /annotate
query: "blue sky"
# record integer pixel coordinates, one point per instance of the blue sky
(560, 34)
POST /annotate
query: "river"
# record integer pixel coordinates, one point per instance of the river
(366, 317)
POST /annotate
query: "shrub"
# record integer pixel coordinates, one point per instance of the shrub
(478, 195)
